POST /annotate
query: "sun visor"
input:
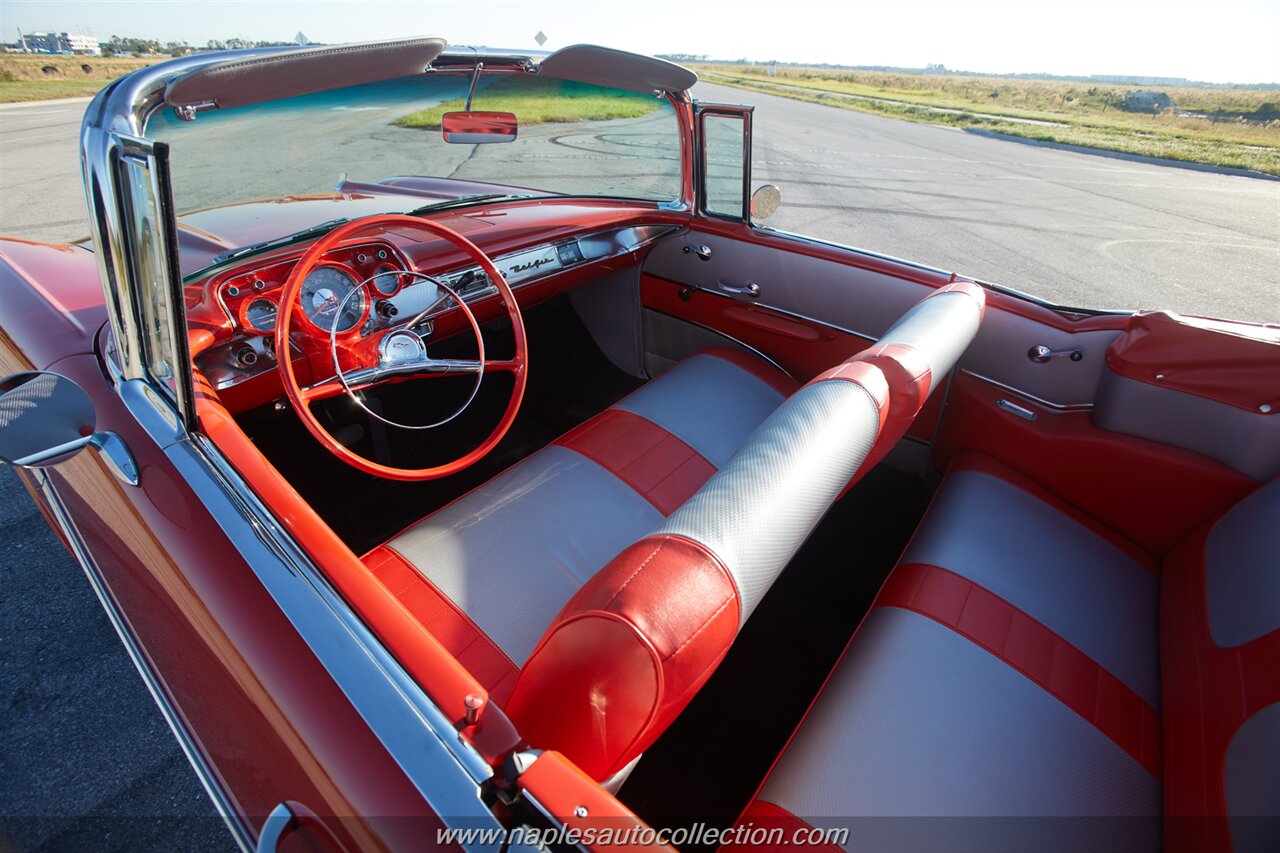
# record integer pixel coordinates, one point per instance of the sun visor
(299, 72)
(603, 66)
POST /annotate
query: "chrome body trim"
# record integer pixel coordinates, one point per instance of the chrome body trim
(222, 801)
(1039, 401)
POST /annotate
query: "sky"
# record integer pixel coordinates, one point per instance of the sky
(1217, 41)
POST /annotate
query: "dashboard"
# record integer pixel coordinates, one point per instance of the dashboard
(362, 288)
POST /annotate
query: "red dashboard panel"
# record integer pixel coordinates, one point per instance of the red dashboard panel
(231, 313)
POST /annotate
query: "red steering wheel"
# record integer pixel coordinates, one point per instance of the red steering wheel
(395, 353)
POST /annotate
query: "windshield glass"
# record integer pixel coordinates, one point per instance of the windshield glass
(574, 139)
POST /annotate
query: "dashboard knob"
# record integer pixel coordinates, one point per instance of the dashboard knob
(246, 356)
(386, 309)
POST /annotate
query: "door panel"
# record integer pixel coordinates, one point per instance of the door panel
(837, 297)
(1152, 493)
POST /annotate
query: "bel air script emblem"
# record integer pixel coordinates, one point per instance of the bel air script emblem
(532, 265)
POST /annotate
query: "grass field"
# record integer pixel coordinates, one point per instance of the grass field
(1074, 113)
(537, 101)
(22, 77)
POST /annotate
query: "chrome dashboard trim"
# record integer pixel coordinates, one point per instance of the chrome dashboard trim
(1039, 401)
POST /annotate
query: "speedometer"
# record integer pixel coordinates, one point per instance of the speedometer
(332, 299)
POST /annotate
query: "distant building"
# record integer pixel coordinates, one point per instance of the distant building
(59, 43)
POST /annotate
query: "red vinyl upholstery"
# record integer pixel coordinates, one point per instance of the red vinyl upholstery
(646, 632)
(1024, 661)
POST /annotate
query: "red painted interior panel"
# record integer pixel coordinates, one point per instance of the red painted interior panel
(1233, 363)
(577, 801)
(803, 349)
(1151, 493)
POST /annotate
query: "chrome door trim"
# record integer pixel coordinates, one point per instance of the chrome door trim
(1060, 408)
(223, 801)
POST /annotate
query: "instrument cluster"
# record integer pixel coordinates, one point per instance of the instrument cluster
(332, 294)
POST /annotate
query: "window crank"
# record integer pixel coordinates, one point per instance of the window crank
(1042, 354)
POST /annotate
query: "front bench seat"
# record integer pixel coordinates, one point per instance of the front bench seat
(594, 604)
(1025, 663)
(692, 493)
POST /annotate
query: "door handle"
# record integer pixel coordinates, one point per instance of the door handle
(292, 816)
(750, 290)
(274, 828)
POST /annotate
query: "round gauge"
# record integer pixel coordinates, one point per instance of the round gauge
(323, 291)
(386, 279)
(260, 314)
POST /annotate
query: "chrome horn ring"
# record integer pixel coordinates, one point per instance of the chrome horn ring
(394, 352)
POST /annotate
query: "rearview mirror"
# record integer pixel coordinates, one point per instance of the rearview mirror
(46, 418)
(478, 128)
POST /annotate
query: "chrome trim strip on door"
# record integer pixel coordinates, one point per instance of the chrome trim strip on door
(222, 800)
(1039, 401)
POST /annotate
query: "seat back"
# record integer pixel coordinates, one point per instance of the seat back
(636, 642)
(1220, 662)
(918, 352)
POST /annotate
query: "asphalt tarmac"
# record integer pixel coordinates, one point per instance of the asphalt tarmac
(86, 760)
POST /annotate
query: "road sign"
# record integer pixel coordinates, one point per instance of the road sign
(540, 38)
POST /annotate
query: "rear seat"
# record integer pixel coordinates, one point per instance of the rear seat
(1022, 660)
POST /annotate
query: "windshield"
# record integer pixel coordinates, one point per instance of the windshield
(574, 139)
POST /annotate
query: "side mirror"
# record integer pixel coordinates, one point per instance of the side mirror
(765, 200)
(478, 128)
(46, 418)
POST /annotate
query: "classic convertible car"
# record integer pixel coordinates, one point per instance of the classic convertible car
(525, 483)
